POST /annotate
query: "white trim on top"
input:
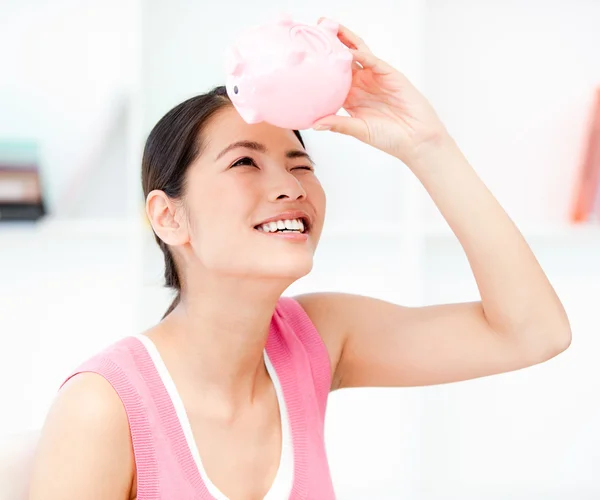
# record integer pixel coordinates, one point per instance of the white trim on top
(282, 484)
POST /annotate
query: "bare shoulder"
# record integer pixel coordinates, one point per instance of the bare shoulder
(85, 446)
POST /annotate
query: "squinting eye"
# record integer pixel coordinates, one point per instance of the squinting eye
(247, 160)
(303, 168)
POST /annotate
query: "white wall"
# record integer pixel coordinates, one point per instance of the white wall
(512, 80)
(66, 290)
(514, 83)
(66, 66)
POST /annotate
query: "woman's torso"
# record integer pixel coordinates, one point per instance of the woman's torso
(249, 455)
(279, 447)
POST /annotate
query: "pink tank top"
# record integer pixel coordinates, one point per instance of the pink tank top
(165, 466)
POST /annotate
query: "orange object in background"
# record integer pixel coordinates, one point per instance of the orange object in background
(588, 183)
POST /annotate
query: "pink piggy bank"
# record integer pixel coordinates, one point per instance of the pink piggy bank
(288, 74)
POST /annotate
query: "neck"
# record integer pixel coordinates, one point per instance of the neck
(216, 336)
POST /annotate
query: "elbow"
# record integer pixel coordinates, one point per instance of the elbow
(548, 341)
(539, 340)
(560, 343)
(564, 338)
(559, 331)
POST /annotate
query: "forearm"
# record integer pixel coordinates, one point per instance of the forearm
(516, 295)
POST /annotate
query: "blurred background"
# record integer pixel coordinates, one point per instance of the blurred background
(516, 82)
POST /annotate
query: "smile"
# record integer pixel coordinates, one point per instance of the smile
(298, 226)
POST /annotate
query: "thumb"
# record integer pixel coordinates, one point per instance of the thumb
(343, 125)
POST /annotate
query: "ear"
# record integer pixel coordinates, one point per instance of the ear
(167, 218)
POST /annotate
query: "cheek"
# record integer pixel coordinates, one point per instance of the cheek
(221, 206)
(316, 193)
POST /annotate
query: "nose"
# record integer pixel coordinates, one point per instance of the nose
(285, 186)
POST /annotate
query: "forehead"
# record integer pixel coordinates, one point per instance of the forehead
(227, 126)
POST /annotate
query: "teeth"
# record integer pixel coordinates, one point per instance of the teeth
(287, 225)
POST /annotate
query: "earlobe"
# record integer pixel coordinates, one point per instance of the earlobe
(163, 215)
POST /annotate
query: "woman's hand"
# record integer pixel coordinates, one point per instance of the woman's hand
(386, 110)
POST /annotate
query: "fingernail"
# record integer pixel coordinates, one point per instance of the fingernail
(321, 127)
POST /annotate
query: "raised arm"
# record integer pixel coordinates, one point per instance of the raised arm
(519, 321)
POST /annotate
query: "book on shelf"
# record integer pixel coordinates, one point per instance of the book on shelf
(21, 197)
(586, 202)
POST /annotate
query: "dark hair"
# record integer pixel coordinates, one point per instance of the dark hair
(172, 145)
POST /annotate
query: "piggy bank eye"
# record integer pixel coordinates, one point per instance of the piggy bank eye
(235, 90)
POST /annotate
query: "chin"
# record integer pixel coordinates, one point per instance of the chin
(288, 268)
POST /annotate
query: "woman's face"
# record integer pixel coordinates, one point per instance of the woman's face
(231, 190)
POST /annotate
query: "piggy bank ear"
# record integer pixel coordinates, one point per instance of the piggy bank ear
(234, 64)
(284, 19)
(329, 25)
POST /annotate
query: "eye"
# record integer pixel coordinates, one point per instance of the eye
(246, 160)
(304, 167)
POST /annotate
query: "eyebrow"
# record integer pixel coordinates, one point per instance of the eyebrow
(261, 148)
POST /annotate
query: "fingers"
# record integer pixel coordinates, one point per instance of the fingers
(365, 59)
(344, 125)
(368, 60)
(351, 39)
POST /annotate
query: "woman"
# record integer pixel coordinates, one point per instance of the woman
(226, 396)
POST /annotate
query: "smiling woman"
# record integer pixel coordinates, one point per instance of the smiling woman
(217, 177)
(226, 396)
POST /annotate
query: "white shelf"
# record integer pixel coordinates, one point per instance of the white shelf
(50, 226)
